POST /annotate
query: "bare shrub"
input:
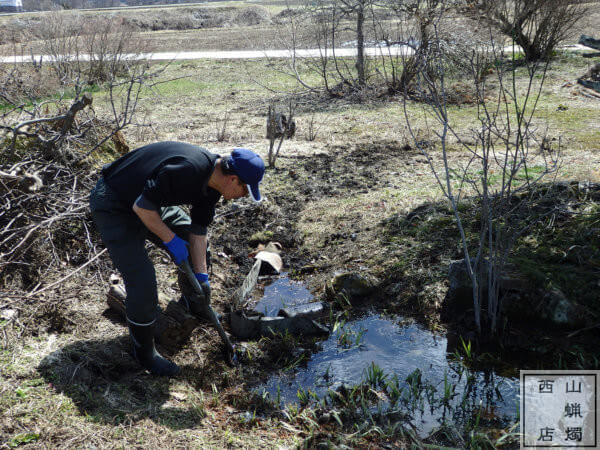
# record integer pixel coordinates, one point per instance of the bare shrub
(324, 26)
(60, 35)
(197, 18)
(501, 167)
(398, 31)
(252, 15)
(87, 50)
(12, 32)
(110, 45)
(21, 83)
(537, 26)
(221, 125)
(312, 128)
(413, 31)
(46, 170)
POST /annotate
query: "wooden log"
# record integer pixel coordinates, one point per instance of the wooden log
(174, 324)
(66, 123)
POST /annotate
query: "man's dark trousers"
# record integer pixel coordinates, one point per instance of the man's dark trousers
(124, 234)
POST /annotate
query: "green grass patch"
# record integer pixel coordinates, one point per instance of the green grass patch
(564, 251)
(22, 439)
(66, 95)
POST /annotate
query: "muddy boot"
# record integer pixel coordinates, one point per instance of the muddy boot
(144, 351)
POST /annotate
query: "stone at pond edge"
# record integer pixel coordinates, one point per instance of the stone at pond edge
(460, 289)
(522, 301)
(352, 285)
(558, 309)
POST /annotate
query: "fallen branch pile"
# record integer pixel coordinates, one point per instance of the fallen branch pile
(43, 217)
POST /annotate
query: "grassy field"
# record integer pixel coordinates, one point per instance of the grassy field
(67, 379)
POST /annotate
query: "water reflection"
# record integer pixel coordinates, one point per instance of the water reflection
(281, 293)
(399, 349)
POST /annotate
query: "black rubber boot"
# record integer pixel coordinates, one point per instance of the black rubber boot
(145, 352)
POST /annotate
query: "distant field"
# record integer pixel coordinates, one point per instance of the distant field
(275, 5)
(219, 25)
(215, 26)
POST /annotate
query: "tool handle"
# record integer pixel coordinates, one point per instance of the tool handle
(187, 269)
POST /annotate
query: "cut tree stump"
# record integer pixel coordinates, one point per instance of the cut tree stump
(174, 324)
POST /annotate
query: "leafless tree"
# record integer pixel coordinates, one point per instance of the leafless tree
(398, 30)
(60, 34)
(325, 25)
(537, 26)
(109, 43)
(411, 31)
(359, 10)
(497, 163)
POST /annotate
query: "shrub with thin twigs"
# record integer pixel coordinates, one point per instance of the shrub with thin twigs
(48, 147)
(87, 50)
(503, 169)
(312, 128)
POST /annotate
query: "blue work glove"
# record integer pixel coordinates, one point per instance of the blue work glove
(202, 278)
(178, 249)
(204, 284)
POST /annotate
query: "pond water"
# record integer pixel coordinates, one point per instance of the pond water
(282, 292)
(399, 347)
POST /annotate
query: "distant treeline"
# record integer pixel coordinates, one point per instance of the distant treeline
(42, 5)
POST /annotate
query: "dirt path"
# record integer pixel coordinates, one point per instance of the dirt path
(249, 54)
(237, 54)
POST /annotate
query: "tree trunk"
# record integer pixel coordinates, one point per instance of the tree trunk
(360, 45)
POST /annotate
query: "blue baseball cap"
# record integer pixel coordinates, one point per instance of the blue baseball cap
(250, 168)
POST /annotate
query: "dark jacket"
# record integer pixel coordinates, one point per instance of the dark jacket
(167, 174)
